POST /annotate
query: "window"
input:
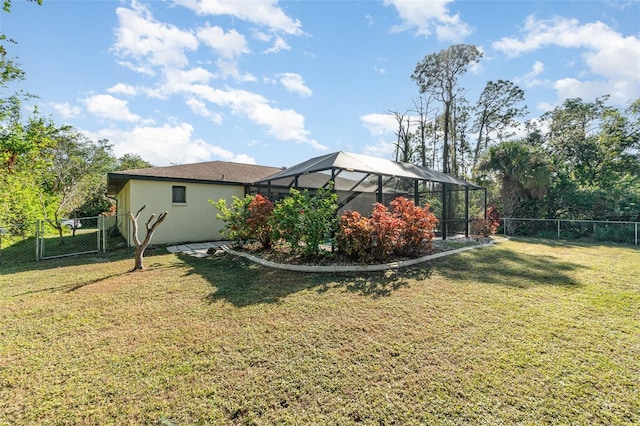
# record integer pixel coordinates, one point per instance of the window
(179, 194)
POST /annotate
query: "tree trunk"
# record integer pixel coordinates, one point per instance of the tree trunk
(142, 246)
(445, 145)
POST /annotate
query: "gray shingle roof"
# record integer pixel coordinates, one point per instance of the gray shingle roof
(208, 172)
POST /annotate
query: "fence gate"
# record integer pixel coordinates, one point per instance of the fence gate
(79, 236)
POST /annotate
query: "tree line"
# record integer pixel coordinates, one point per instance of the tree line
(578, 161)
(47, 170)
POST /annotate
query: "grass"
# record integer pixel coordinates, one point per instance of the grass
(526, 332)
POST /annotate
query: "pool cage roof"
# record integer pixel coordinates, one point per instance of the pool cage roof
(350, 162)
(361, 180)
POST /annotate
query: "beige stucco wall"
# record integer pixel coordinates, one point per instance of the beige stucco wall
(193, 221)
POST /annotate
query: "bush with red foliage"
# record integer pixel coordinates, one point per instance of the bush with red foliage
(406, 230)
(258, 221)
(355, 236)
(487, 227)
(416, 226)
(387, 231)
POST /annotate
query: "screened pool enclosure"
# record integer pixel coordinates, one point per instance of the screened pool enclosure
(361, 180)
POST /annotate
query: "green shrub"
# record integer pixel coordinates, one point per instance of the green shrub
(306, 221)
(234, 217)
(249, 218)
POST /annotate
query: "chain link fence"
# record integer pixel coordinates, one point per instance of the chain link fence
(42, 240)
(589, 230)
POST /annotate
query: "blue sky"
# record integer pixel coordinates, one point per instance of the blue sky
(277, 82)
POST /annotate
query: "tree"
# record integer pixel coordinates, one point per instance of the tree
(75, 172)
(403, 145)
(421, 108)
(21, 147)
(496, 113)
(7, 4)
(595, 144)
(594, 148)
(438, 75)
(460, 135)
(150, 228)
(131, 161)
(524, 172)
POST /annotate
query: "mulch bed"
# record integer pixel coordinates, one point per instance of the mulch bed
(282, 253)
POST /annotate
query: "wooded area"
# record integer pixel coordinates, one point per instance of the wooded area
(47, 170)
(580, 160)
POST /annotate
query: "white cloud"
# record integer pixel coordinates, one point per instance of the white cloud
(167, 144)
(138, 68)
(379, 124)
(605, 52)
(67, 110)
(294, 83)
(259, 12)
(177, 79)
(228, 45)
(109, 107)
(156, 48)
(278, 45)
(123, 89)
(427, 16)
(530, 79)
(573, 88)
(382, 149)
(229, 68)
(143, 39)
(200, 108)
(261, 36)
(283, 124)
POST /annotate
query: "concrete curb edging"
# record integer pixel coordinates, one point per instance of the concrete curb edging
(350, 268)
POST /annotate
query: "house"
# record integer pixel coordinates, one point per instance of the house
(359, 180)
(184, 191)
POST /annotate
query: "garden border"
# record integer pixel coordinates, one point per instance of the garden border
(351, 268)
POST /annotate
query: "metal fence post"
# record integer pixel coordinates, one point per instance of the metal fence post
(636, 233)
(37, 240)
(104, 234)
(2, 232)
(558, 229)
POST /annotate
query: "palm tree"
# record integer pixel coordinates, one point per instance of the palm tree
(524, 170)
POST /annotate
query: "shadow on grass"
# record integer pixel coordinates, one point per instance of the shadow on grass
(20, 256)
(73, 260)
(502, 266)
(69, 288)
(243, 283)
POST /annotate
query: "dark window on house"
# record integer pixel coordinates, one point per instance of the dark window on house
(179, 194)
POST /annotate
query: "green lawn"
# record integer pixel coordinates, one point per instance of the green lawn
(527, 332)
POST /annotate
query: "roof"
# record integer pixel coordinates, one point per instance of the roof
(208, 172)
(366, 164)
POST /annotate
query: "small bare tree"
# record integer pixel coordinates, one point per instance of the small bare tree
(151, 228)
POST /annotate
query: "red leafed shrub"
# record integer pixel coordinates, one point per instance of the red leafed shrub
(406, 229)
(355, 235)
(417, 225)
(258, 222)
(487, 227)
(387, 232)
